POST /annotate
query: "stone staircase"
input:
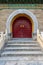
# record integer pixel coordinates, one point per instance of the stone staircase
(21, 53)
(24, 49)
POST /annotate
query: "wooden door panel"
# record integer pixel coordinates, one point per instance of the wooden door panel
(22, 28)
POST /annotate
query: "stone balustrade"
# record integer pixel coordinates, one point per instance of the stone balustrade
(40, 38)
(2, 39)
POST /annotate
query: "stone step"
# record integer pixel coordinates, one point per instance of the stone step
(21, 50)
(22, 45)
(22, 58)
(21, 53)
(32, 62)
(18, 55)
(21, 41)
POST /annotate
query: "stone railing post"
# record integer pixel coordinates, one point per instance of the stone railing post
(1, 40)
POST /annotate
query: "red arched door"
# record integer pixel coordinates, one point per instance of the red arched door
(22, 28)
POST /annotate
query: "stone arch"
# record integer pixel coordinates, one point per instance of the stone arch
(22, 11)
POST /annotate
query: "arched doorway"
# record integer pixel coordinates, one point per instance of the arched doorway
(22, 28)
